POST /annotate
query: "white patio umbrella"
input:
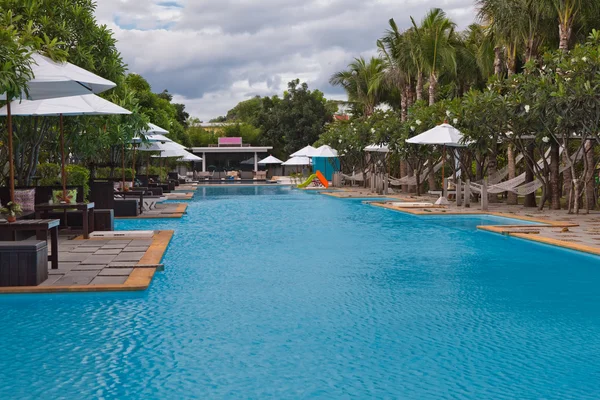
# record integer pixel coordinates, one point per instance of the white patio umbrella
(249, 161)
(181, 155)
(50, 80)
(151, 139)
(297, 161)
(377, 148)
(325, 152)
(270, 161)
(177, 152)
(154, 142)
(155, 129)
(304, 152)
(444, 135)
(88, 104)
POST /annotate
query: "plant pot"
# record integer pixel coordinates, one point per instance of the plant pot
(11, 218)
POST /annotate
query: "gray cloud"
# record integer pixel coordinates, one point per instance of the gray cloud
(213, 53)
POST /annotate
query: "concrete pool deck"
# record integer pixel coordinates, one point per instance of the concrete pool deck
(580, 232)
(102, 265)
(162, 210)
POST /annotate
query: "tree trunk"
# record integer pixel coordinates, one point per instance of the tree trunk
(567, 179)
(529, 175)
(511, 61)
(432, 88)
(418, 178)
(555, 175)
(403, 173)
(564, 32)
(419, 86)
(431, 176)
(498, 61)
(511, 198)
(478, 169)
(411, 172)
(404, 103)
(492, 169)
(590, 196)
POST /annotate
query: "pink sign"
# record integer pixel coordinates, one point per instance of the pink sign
(230, 141)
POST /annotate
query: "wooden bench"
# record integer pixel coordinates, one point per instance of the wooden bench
(41, 227)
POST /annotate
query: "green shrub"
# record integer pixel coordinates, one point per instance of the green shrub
(104, 173)
(49, 174)
(160, 171)
(79, 176)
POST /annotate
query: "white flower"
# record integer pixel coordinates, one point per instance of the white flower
(448, 113)
(527, 108)
(418, 122)
(584, 59)
(412, 128)
(509, 133)
(545, 139)
(372, 130)
(455, 121)
(340, 141)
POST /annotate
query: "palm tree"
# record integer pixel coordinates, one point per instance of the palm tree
(400, 64)
(435, 39)
(362, 81)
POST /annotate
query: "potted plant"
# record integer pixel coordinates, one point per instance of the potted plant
(11, 211)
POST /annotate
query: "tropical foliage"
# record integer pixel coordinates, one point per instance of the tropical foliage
(522, 81)
(68, 31)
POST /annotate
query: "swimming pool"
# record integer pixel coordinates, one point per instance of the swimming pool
(272, 292)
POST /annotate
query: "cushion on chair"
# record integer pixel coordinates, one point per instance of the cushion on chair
(58, 194)
(26, 199)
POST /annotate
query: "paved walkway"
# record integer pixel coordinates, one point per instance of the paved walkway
(102, 265)
(96, 262)
(557, 227)
(162, 210)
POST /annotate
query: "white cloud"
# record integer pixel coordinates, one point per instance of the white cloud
(214, 53)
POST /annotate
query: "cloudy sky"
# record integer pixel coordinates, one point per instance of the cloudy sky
(211, 54)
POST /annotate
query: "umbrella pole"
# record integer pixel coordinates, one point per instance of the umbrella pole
(11, 161)
(123, 166)
(133, 175)
(62, 158)
(443, 169)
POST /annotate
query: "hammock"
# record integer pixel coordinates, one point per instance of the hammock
(503, 173)
(517, 185)
(412, 180)
(511, 184)
(354, 177)
(531, 187)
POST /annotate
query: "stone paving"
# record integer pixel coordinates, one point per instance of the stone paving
(568, 230)
(162, 210)
(97, 261)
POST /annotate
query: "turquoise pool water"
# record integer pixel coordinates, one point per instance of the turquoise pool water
(270, 292)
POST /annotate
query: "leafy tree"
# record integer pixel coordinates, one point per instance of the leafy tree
(362, 81)
(247, 111)
(435, 38)
(247, 132)
(296, 120)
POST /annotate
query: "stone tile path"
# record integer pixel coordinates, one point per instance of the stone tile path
(96, 262)
(162, 210)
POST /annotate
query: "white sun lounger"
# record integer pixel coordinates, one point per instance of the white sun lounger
(151, 202)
